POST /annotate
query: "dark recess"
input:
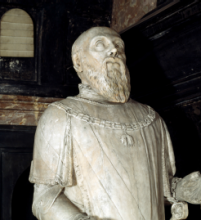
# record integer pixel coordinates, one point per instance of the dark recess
(163, 56)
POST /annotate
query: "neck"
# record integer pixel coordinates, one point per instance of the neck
(86, 92)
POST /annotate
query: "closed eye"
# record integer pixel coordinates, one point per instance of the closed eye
(99, 44)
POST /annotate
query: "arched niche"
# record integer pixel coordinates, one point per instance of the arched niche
(16, 34)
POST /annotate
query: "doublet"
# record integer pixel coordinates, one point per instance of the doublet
(114, 161)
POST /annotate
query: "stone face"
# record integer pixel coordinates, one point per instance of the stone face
(22, 110)
(103, 61)
(127, 13)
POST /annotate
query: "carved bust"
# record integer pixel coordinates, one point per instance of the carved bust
(100, 154)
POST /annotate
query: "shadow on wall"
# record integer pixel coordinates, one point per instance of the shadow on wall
(147, 76)
(22, 198)
(151, 85)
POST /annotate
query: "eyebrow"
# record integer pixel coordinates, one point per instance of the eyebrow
(96, 38)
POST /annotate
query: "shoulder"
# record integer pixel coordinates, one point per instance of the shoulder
(50, 133)
(138, 105)
(52, 123)
(57, 110)
(52, 113)
(144, 111)
(66, 104)
(54, 118)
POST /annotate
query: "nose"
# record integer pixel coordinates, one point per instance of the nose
(112, 52)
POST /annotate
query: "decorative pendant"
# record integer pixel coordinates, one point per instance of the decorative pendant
(127, 140)
(179, 211)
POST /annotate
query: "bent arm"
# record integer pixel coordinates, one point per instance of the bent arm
(49, 203)
(187, 189)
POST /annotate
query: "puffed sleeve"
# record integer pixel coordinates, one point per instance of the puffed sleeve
(52, 157)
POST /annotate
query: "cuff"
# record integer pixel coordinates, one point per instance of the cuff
(174, 182)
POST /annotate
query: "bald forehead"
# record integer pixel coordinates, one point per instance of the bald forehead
(88, 35)
(100, 31)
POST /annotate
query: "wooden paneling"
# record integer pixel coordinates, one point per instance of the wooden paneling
(163, 56)
(57, 24)
(20, 68)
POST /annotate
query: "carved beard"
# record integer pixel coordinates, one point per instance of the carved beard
(112, 81)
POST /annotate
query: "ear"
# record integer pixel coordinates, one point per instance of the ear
(77, 63)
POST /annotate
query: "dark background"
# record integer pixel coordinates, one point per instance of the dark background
(163, 56)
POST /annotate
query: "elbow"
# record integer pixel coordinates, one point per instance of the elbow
(43, 199)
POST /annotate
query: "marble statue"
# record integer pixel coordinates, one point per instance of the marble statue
(102, 155)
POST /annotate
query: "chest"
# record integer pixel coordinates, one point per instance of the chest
(126, 149)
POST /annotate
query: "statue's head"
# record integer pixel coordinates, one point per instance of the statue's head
(100, 62)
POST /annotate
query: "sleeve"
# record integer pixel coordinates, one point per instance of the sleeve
(168, 161)
(52, 157)
(52, 168)
(49, 203)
